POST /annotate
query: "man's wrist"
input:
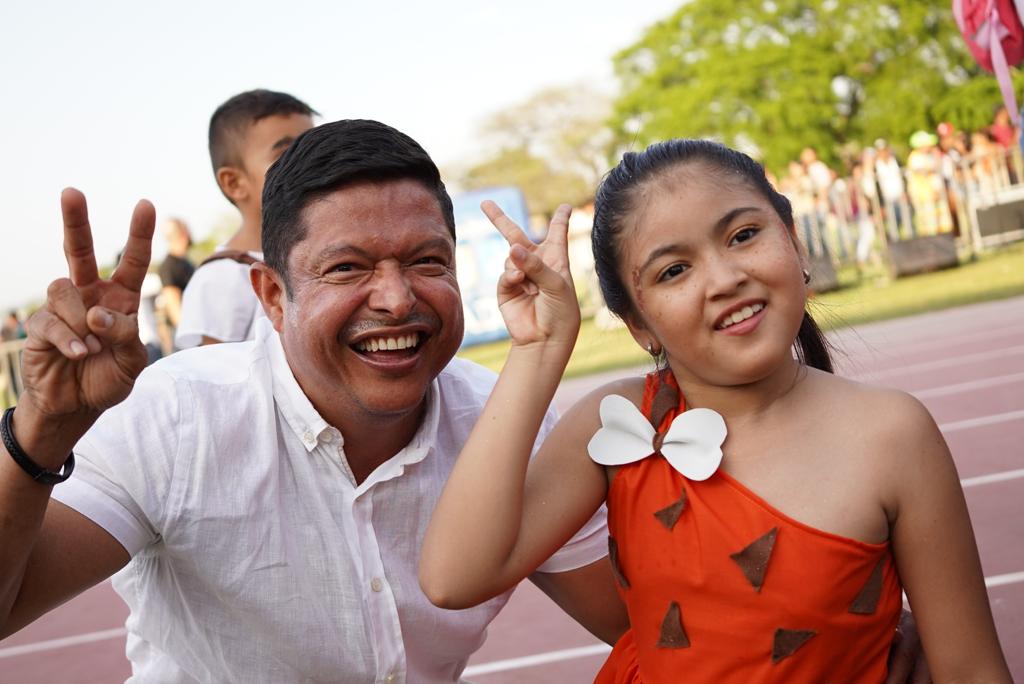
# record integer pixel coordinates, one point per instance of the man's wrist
(29, 466)
(47, 439)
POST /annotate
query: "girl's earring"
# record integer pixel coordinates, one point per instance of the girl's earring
(651, 351)
(807, 276)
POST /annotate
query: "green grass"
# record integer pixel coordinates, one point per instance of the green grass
(873, 297)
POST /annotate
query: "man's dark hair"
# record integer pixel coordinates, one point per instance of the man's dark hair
(232, 119)
(329, 157)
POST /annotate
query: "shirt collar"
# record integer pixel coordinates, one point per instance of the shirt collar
(307, 423)
(295, 406)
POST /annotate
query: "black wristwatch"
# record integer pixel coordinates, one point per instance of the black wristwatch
(40, 475)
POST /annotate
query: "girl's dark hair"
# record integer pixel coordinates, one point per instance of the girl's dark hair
(615, 203)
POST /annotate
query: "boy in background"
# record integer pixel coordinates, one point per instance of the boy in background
(247, 134)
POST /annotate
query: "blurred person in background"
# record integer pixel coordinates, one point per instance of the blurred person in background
(799, 190)
(176, 269)
(1002, 130)
(12, 328)
(1006, 135)
(925, 186)
(247, 134)
(822, 178)
(952, 153)
(893, 191)
(985, 169)
(863, 217)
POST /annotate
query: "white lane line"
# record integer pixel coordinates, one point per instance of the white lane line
(969, 386)
(538, 659)
(994, 477)
(1000, 580)
(483, 668)
(943, 363)
(847, 338)
(53, 644)
(980, 422)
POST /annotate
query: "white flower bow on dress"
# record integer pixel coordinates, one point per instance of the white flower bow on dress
(692, 444)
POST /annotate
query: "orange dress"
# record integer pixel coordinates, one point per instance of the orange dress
(721, 587)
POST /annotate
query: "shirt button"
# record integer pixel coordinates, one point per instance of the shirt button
(377, 584)
(307, 436)
(391, 678)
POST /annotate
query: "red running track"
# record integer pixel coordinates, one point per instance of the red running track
(966, 364)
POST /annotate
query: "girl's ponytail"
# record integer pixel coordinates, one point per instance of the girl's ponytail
(811, 345)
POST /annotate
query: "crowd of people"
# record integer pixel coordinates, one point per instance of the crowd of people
(876, 198)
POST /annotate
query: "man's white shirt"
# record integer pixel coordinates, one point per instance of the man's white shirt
(256, 556)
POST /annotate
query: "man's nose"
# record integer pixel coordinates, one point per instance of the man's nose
(392, 292)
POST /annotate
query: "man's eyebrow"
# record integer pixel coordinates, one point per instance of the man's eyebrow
(334, 251)
(720, 225)
(434, 243)
(338, 250)
(283, 142)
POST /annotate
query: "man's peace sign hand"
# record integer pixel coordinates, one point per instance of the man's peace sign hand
(83, 351)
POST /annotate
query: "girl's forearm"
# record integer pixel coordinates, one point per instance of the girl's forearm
(471, 549)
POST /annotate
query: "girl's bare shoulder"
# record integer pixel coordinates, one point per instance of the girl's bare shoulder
(585, 412)
(579, 423)
(882, 416)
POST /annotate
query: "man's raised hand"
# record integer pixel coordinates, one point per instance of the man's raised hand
(83, 351)
(535, 293)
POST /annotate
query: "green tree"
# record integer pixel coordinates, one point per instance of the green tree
(774, 76)
(554, 146)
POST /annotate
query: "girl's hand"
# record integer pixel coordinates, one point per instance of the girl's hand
(535, 293)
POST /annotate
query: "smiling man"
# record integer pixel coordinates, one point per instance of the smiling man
(265, 501)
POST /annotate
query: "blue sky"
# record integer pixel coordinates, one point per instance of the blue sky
(114, 97)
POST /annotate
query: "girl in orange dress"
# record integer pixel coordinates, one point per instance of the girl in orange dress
(763, 513)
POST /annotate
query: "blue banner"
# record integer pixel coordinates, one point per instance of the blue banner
(480, 252)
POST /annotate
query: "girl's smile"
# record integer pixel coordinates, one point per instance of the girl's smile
(741, 319)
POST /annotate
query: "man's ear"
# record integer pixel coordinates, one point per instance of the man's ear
(270, 289)
(233, 183)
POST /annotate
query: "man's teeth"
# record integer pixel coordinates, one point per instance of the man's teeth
(373, 344)
(741, 315)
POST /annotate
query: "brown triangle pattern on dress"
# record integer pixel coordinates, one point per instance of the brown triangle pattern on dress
(673, 634)
(753, 560)
(613, 556)
(669, 515)
(788, 641)
(665, 399)
(867, 600)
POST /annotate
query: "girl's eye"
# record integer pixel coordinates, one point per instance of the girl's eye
(743, 235)
(672, 271)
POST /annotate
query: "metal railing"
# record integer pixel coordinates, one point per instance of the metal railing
(857, 218)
